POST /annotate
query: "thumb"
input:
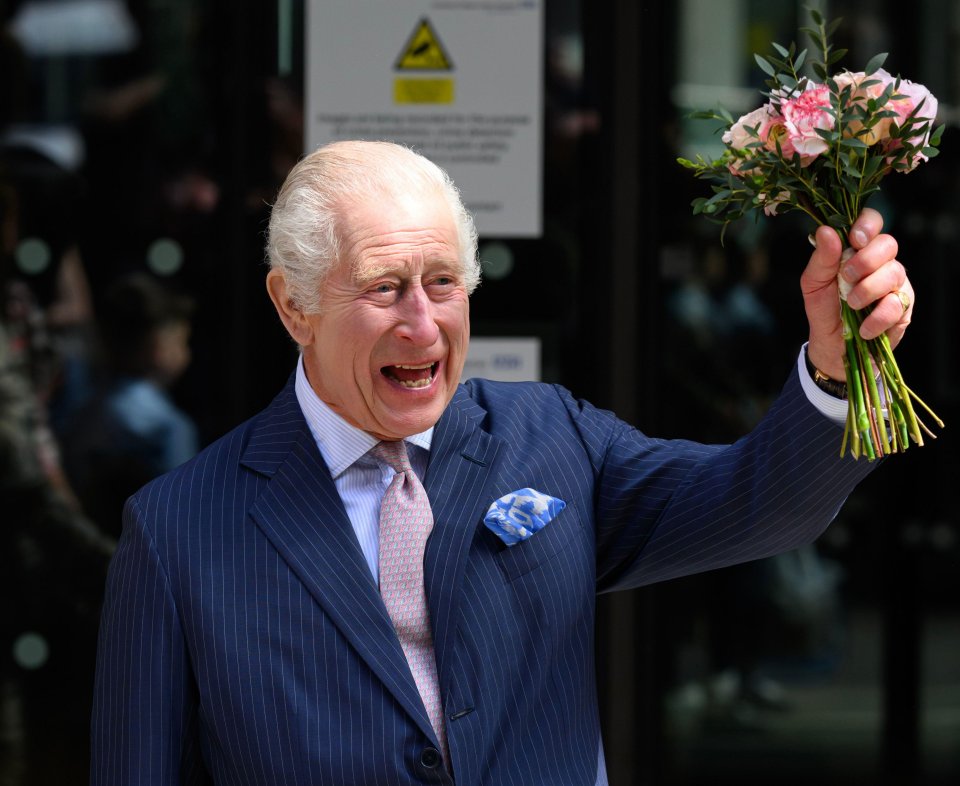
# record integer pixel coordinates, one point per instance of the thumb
(821, 271)
(822, 304)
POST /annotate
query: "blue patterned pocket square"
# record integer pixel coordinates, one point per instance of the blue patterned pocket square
(518, 515)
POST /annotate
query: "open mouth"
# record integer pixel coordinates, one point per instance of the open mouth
(411, 376)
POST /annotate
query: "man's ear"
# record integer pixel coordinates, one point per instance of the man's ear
(293, 318)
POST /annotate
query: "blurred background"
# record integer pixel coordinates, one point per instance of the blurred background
(141, 143)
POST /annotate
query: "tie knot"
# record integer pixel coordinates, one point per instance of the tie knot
(393, 454)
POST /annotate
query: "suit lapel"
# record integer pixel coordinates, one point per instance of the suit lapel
(462, 456)
(301, 513)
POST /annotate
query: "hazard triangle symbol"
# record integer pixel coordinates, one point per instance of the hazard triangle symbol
(423, 52)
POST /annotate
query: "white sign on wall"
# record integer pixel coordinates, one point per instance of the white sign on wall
(460, 81)
(508, 359)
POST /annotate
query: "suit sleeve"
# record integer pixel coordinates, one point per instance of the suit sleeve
(669, 508)
(145, 708)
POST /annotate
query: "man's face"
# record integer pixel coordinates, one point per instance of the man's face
(388, 348)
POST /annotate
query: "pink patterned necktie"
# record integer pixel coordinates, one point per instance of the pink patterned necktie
(405, 524)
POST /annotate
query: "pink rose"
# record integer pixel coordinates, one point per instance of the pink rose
(738, 137)
(914, 94)
(860, 95)
(803, 116)
(776, 133)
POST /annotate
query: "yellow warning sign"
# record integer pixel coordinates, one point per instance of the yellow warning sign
(423, 52)
(422, 91)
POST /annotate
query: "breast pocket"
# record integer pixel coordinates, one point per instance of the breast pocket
(543, 546)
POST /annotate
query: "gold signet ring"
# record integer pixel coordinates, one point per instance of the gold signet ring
(904, 300)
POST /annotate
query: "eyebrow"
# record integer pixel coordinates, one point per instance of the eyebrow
(371, 272)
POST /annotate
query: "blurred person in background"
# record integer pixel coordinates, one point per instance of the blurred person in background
(133, 431)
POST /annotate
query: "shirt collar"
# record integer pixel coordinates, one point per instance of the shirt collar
(340, 444)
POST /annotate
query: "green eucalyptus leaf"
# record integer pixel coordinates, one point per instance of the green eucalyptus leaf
(871, 167)
(875, 62)
(836, 56)
(765, 65)
(798, 63)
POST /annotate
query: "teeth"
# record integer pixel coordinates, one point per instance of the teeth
(412, 384)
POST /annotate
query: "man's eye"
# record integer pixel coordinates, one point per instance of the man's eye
(383, 289)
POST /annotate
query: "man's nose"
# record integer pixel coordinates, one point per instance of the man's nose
(417, 317)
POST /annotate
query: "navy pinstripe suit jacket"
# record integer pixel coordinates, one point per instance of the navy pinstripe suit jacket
(244, 641)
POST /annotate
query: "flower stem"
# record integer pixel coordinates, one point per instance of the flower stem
(854, 384)
(867, 419)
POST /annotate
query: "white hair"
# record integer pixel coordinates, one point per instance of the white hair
(303, 238)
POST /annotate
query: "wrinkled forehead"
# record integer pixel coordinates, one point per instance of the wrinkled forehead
(393, 229)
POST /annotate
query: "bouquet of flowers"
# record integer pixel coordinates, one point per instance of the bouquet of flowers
(823, 147)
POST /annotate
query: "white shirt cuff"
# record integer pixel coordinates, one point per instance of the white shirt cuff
(830, 406)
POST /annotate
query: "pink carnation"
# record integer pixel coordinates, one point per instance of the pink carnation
(804, 116)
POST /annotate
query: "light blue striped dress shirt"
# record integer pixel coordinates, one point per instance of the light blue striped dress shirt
(360, 479)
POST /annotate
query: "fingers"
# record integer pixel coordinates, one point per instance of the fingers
(865, 228)
(877, 277)
(891, 314)
(872, 278)
(872, 249)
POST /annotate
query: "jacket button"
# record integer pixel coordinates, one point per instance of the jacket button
(430, 758)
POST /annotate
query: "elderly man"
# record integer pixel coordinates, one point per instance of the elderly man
(389, 577)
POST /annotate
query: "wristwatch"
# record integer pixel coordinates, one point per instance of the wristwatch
(826, 383)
